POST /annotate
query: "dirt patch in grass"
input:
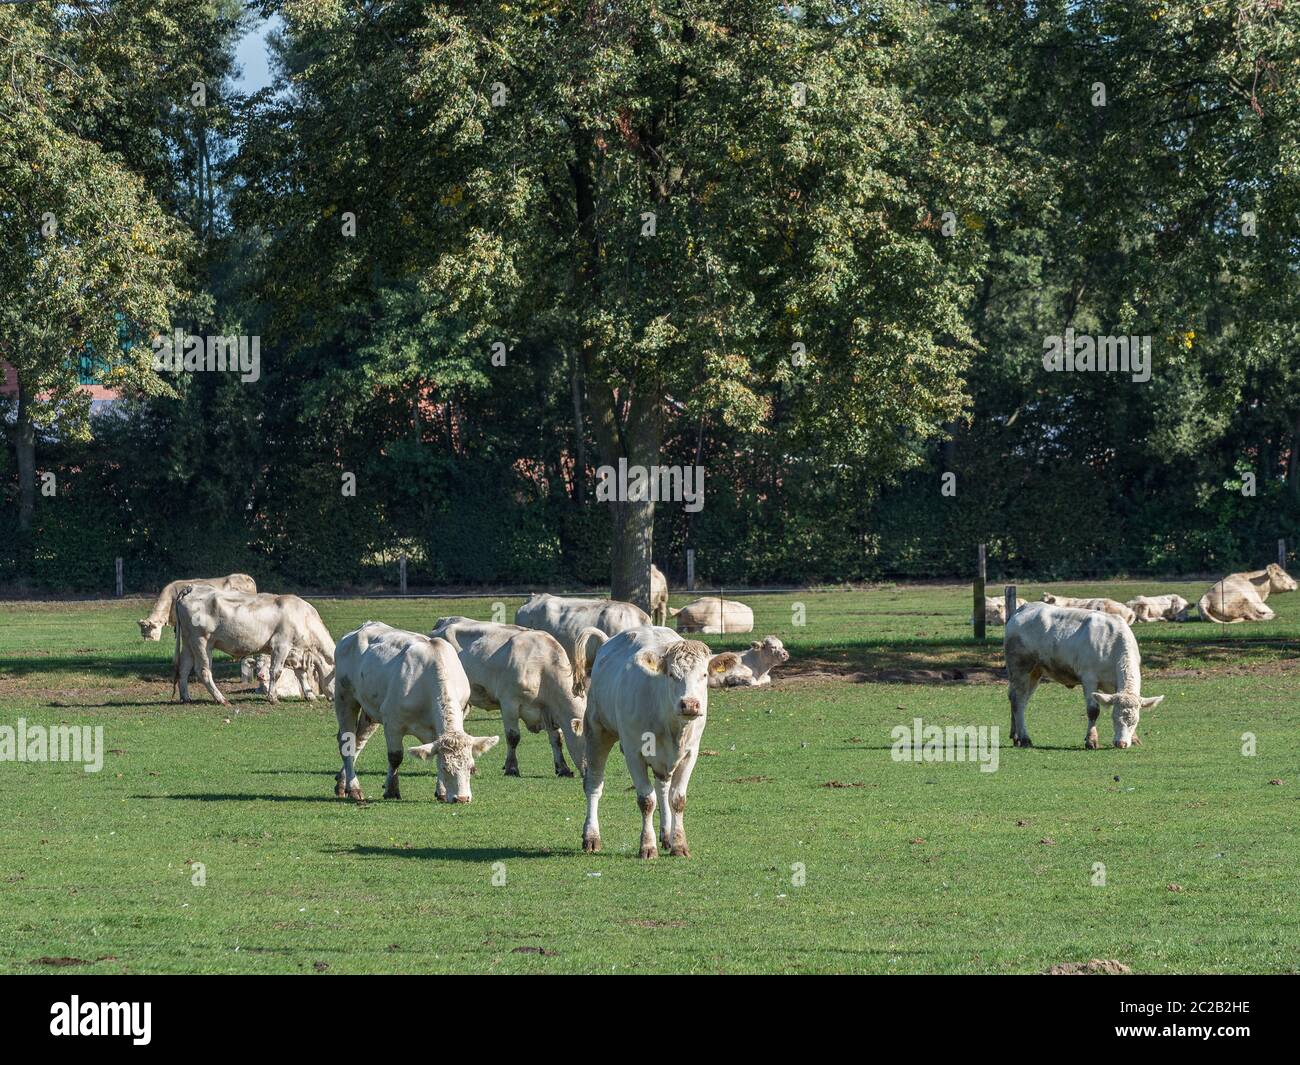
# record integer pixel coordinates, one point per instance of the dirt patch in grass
(1107, 967)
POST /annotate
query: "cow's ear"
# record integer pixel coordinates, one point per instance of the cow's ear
(650, 662)
(483, 744)
(1154, 701)
(1102, 698)
(756, 646)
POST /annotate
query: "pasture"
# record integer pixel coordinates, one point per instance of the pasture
(906, 867)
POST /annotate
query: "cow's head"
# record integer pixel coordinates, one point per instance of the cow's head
(1125, 711)
(1177, 608)
(1048, 597)
(455, 752)
(1279, 580)
(771, 650)
(150, 629)
(684, 667)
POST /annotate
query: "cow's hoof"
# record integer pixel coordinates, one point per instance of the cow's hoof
(1091, 743)
(392, 793)
(680, 850)
(563, 771)
(1023, 741)
(511, 770)
(648, 851)
(340, 792)
(590, 844)
(354, 793)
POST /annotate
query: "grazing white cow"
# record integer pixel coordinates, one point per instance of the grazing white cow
(752, 669)
(1240, 596)
(411, 685)
(1105, 606)
(995, 610)
(710, 614)
(283, 626)
(1159, 608)
(650, 694)
(525, 674)
(565, 618)
(658, 596)
(1076, 647)
(259, 669)
(164, 612)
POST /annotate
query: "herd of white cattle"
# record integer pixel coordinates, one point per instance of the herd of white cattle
(593, 672)
(587, 672)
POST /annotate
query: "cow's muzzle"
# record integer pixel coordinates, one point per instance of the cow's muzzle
(463, 798)
(689, 707)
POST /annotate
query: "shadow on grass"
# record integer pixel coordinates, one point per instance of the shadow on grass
(223, 796)
(451, 854)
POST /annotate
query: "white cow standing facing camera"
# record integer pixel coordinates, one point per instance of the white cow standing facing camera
(650, 694)
(1076, 647)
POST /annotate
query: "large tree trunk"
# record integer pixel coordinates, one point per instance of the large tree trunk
(635, 438)
(25, 454)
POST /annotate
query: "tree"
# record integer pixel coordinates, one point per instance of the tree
(710, 208)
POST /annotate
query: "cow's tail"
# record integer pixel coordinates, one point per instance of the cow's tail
(581, 664)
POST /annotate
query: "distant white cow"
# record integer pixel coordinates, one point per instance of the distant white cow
(411, 685)
(658, 596)
(259, 670)
(164, 613)
(1105, 606)
(1240, 597)
(283, 626)
(649, 693)
(752, 669)
(1148, 608)
(995, 610)
(1075, 647)
(525, 674)
(565, 618)
(710, 614)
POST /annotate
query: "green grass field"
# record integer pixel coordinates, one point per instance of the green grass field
(932, 867)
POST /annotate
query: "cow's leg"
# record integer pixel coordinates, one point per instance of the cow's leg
(665, 814)
(571, 740)
(645, 801)
(279, 654)
(557, 753)
(301, 673)
(510, 722)
(186, 664)
(347, 711)
(677, 785)
(205, 664)
(1093, 708)
(598, 745)
(395, 754)
(1019, 690)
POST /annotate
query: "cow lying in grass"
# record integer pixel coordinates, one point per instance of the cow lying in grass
(649, 693)
(1241, 597)
(1105, 606)
(283, 626)
(291, 686)
(1076, 647)
(164, 612)
(1148, 608)
(995, 610)
(411, 685)
(525, 674)
(752, 669)
(709, 614)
